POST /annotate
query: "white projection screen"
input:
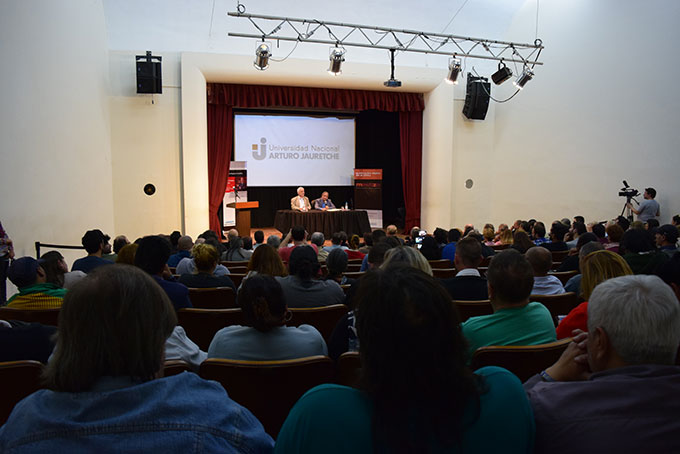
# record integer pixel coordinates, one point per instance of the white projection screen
(287, 150)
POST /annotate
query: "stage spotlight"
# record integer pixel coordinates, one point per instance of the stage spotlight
(523, 78)
(504, 73)
(454, 70)
(337, 57)
(262, 54)
(392, 82)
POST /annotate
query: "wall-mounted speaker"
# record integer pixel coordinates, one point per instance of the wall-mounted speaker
(477, 97)
(149, 75)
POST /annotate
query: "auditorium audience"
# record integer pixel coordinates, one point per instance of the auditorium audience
(274, 241)
(577, 229)
(391, 230)
(430, 249)
(415, 393)
(205, 259)
(441, 237)
(34, 290)
(355, 243)
(103, 387)
(184, 245)
(377, 236)
(236, 252)
(538, 233)
(570, 262)
(505, 238)
(336, 264)
(516, 320)
(488, 234)
(640, 252)
(540, 260)
(126, 255)
(614, 233)
(118, 243)
(301, 288)
(406, 256)
(521, 241)
(93, 241)
(188, 266)
(449, 251)
(247, 243)
(265, 260)
(23, 341)
(596, 267)
(557, 232)
(299, 236)
(487, 251)
(670, 273)
(614, 389)
(174, 240)
(337, 241)
(467, 284)
(259, 239)
(318, 239)
(666, 237)
(56, 270)
(574, 283)
(267, 337)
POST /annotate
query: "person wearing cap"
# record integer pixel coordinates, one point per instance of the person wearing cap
(649, 208)
(94, 242)
(34, 290)
(666, 237)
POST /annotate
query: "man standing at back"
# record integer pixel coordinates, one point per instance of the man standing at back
(93, 241)
(515, 320)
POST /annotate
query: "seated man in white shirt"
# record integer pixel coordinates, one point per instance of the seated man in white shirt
(300, 202)
(541, 262)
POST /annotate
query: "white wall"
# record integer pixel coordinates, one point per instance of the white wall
(55, 152)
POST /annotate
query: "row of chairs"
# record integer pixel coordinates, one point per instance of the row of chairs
(269, 389)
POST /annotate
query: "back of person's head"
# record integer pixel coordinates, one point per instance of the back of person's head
(247, 243)
(24, 271)
(392, 241)
(376, 256)
(469, 251)
(265, 260)
(52, 263)
(651, 224)
(336, 238)
(539, 229)
(318, 239)
(670, 273)
(558, 230)
(521, 240)
(589, 247)
(580, 219)
(152, 254)
(526, 226)
(235, 243)
(263, 303)
(297, 233)
(119, 242)
(454, 235)
(259, 236)
(408, 256)
(580, 228)
(511, 277)
(639, 225)
(205, 257)
(391, 229)
(336, 262)
(92, 240)
(566, 222)
(540, 260)
(368, 238)
(636, 240)
(506, 237)
(214, 242)
(623, 222)
(430, 249)
(440, 235)
(651, 192)
(274, 241)
(614, 232)
(377, 236)
(599, 230)
(185, 243)
(413, 360)
(676, 219)
(303, 263)
(122, 335)
(641, 317)
(174, 238)
(488, 233)
(209, 234)
(354, 242)
(585, 238)
(127, 254)
(599, 266)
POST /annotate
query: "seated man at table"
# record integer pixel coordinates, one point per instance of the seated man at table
(300, 202)
(323, 202)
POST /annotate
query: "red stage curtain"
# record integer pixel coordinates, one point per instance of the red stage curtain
(223, 97)
(411, 140)
(220, 138)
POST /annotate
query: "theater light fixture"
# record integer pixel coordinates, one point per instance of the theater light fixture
(454, 70)
(392, 82)
(504, 73)
(262, 54)
(336, 57)
(523, 78)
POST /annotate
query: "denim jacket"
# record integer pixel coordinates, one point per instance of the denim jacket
(181, 413)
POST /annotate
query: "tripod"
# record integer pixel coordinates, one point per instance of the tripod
(629, 214)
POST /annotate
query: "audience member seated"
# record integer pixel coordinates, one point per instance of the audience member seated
(515, 320)
(236, 252)
(301, 288)
(179, 346)
(103, 382)
(521, 241)
(416, 394)
(597, 267)
(318, 239)
(391, 230)
(614, 389)
(205, 259)
(118, 243)
(377, 236)
(441, 237)
(541, 262)
(574, 283)
(25, 341)
(267, 337)
(274, 241)
(126, 255)
(666, 237)
(184, 245)
(93, 241)
(266, 262)
(577, 229)
(614, 233)
(368, 242)
(430, 249)
(56, 270)
(487, 251)
(34, 290)
(336, 263)
(174, 240)
(557, 232)
(538, 233)
(640, 252)
(299, 236)
(504, 238)
(488, 233)
(599, 231)
(337, 242)
(355, 242)
(570, 262)
(188, 266)
(247, 243)
(449, 251)
(259, 239)
(152, 256)
(468, 284)
(408, 256)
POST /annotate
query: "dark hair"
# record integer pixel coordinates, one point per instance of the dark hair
(540, 260)
(413, 358)
(263, 303)
(298, 233)
(469, 250)
(454, 235)
(92, 240)
(430, 248)
(585, 238)
(337, 238)
(152, 254)
(259, 236)
(511, 276)
(378, 235)
(521, 241)
(580, 219)
(174, 238)
(623, 222)
(651, 192)
(539, 229)
(526, 226)
(670, 271)
(636, 240)
(247, 243)
(392, 241)
(303, 263)
(368, 238)
(676, 218)
(118, 243)
(615, 232)
(122, 335)
(216, 243)
(265, 260)
(377, 253)
(558, 230)
(580, 227)
(440, 235)
(651, 223)
(235, 245)
(667, 230)
(336, 262)
(54, 274)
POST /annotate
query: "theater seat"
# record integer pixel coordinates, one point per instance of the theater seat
(213, 298)
(44, 316)
(467, 309)
(175, 367)
(19, 379)
(323, 318)
(348, 369)
(558, 305)
(202, 324)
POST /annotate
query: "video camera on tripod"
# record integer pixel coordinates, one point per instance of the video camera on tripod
(628, 192)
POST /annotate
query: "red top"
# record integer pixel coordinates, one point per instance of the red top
(576, 319)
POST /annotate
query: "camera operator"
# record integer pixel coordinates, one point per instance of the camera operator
(649, 208)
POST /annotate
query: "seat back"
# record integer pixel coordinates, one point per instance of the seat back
(559, 256)
(523, 361)
(323, 319)
(175, 367)
(354, 274)
(213, 298)
(237, 278)
(202, 324)
(441, 263)
(563, 276)
(353, 267)
(269, 389)
(44, 316)
(238, 269)
(349, 369)
(467, 309)
(18, 379)
(444, 273)
(558, 305)
(237, 263)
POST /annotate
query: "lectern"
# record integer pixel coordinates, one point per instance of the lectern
(243, 216)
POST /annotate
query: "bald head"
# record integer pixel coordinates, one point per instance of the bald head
(185, 243)
(540, 260)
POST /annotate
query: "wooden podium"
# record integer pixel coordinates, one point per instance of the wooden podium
(243, 216)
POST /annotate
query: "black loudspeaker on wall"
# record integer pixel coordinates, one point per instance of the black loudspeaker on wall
(476, 97)
(149, 75)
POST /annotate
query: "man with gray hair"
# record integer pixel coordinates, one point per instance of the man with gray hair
(300, 202)
(319, 239)
(615, 388)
